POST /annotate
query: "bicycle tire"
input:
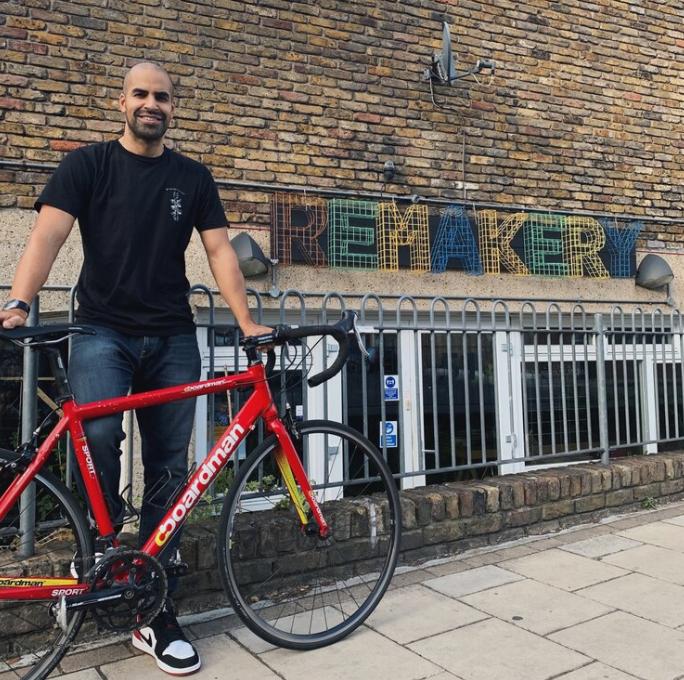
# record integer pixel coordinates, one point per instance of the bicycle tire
(340, 579)
(31, 643)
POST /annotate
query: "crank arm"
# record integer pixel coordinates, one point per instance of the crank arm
(64, 605)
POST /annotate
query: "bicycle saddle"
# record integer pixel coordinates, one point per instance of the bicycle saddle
(43, 335)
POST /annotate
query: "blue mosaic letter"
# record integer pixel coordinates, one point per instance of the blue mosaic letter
(620, 247)
(455, 239)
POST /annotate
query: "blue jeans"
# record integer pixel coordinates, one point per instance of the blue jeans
(110, 364)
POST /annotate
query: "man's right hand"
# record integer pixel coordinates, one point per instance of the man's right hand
(12, 318)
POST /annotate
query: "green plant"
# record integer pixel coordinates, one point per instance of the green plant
(266, 483)
(224, 480)
(649, 503)
(204, 510)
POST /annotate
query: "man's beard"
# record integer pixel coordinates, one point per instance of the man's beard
(149, 133)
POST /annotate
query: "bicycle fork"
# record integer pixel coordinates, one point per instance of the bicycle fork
(292, 472)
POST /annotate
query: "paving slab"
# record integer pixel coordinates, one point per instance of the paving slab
(626, 642)
(365, 654)
(600, 546)
(87, 674)
(497, 556)
(629, 522)
(535, 606)
(95, 657)
(410, 577)
(678, 520)
(660, 563)
(583, 533)
(546, 543)
(221, 624)
(562, 569)
(495, 650)
(8, 675)
(446, 568)
(596, 671)
(667, 511)
(416, 612)
(318, 619)
(471, 581)
(645, 596)
(663, 534)
(221, 658)
(251, 641)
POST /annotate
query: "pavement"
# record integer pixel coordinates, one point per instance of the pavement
(598, 602)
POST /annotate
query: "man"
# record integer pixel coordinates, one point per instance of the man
(137, 203)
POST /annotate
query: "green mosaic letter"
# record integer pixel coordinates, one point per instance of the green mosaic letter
(352, 234)
(544, 245)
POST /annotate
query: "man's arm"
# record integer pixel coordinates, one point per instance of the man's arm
(51, 229)
(226, 270)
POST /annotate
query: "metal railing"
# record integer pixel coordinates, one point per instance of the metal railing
(463, 388)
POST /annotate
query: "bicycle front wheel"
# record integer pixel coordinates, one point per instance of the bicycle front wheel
(290, 586)
(42, 539)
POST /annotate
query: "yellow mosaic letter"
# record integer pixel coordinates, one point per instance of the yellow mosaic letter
(409, 229)
(583, 238)
(495, 242)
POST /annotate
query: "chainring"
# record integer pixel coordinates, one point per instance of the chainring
(144, 581)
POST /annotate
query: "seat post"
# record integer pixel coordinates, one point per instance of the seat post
(59, 372)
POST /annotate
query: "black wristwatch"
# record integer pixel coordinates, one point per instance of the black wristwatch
(16, 304)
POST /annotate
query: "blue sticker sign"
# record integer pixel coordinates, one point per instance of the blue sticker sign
(391, 388)
(388, 434)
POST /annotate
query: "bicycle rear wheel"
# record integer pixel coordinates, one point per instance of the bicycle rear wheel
(295, 589)
(31, 642)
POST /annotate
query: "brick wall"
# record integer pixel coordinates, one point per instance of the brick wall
(446, 519)
(584, 111)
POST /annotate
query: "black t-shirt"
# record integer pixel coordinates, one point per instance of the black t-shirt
(136, 216)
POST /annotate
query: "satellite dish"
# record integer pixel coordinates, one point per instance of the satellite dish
(443, 65)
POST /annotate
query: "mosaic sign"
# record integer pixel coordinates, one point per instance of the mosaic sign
(369, 235)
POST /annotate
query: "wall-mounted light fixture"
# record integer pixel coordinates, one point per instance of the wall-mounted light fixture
(389, 170)
(252, 260)
(654, 273)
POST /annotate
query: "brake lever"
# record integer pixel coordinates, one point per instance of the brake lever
(359, 339)
(270, 362)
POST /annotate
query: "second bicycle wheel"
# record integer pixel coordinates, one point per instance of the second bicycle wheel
(292, 587)
(41, 540)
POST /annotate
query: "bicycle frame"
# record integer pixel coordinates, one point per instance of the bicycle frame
(259, 405)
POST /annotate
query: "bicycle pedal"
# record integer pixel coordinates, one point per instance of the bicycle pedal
(59, 611)
(177, 569)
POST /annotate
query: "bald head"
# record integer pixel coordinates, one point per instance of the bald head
(147, 104)
(143, 68)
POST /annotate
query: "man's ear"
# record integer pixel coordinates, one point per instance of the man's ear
(122, 99)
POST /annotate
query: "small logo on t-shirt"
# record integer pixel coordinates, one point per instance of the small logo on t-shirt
(176, 203)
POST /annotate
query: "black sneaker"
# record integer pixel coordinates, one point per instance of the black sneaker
(164, 640)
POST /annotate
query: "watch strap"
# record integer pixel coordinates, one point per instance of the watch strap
(16, 304)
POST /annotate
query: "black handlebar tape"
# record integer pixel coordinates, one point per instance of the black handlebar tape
(337, 332)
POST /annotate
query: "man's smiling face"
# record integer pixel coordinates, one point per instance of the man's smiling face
(147, 102)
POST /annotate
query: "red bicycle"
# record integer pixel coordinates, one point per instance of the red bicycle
(303, 561)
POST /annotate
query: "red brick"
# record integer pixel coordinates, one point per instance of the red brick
(29, 47)
(63, 145)
(11, 103)
(9, 32)
(482, 106)
(368, 117)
